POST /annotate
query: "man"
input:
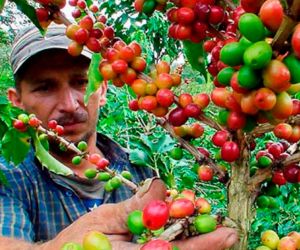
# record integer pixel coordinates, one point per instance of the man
(42, 210)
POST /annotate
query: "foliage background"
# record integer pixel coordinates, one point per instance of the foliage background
(148, 144)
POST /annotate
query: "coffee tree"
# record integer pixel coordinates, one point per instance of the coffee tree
(252, 55)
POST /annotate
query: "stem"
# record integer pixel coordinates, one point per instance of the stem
(62, 18)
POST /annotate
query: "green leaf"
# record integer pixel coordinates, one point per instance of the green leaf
(164, 144)
(95, 78)
(48, 161)
(29, 11)
(140, 157)
(195, 55)
(3, 99)
(2, 3)
(15, 146)
(3, 180)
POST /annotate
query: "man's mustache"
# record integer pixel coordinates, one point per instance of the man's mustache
(71, 118)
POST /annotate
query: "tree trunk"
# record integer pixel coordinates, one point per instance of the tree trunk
(240, 199)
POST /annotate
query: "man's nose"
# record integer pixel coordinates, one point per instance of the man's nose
(69, 100)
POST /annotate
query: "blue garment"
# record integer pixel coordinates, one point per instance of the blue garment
(36, 208)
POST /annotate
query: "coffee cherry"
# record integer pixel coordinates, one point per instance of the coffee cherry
(177, 117)
(148, 103)
(109, 32)
(108, 187)
(102, 163)
(97, 33)
(205, 173)
(93, 44)
(19, 125)
(59, 130)
(52, 124)
(82, 146)
(165, 97)
(133, 105)
(42, 14)
(76, 13)
(86, 23)
(216, 15)
(81, 36)
(138, 64)
(278, 178)
(24, 118)
(127, 175)
(90, 173)
(136, 48)
(230, 151)
(103, 176)
(81, 4)
(155, 214)
(76, 160)
(119, 66)
(220, 137)
(74, 48)
(94, 158)
(185, 15)
(94, 8)
(127, 53)
(192, 110)
(115, 182)
(34, 122)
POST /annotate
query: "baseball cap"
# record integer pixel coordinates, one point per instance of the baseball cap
(30, 42)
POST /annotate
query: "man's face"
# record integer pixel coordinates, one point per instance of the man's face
(53, 88)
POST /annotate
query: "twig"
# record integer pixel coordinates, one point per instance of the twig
(262, 174)
(170, 233)
(71, 146)
(201, 159)
(287, 25)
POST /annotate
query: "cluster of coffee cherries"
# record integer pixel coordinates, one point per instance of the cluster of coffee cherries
(93, 34)
(159, 215)
(261, 86)
(188, 106)
(194, 130)
(154, 92)
(121, 63)
(229, 150)
(267, 196)
(270, 240)
(45, 13)
(290, 133)
(274, 152)
(149, 6)
(24, 120)
(193, 20)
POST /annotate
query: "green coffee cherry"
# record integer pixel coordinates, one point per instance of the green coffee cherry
(127, 175)
(90, 173)
(82, 146)
(116, 182)
(103, 176)
(108, 187)
(24, 118)
(76, 160)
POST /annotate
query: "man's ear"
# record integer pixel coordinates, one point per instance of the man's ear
(103, 90)
(14, 97)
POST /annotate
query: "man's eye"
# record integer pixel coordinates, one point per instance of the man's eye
(81, 83)
(42, 88)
